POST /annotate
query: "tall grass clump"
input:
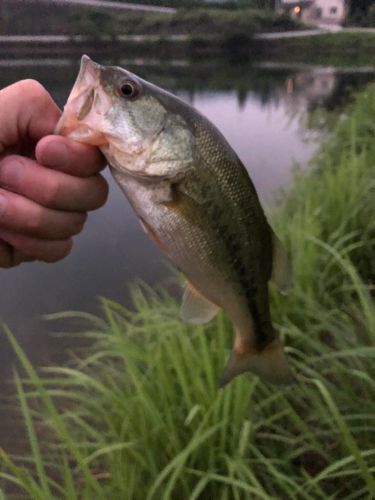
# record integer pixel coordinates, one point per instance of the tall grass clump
(139, 415)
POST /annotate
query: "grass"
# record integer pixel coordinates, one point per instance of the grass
(139, 414)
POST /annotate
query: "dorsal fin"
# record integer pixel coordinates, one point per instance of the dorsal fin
(195, 308)
(281, 270)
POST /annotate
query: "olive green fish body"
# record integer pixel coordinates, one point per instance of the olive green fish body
(215, 232)
(194, 198)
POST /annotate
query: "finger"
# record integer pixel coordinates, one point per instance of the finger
(10, 257)
(50, 188)
(45, 250)
(71, 157)
(29, 110)
(20, 214)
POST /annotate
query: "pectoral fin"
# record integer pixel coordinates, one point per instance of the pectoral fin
(281, 269)
(195, 308)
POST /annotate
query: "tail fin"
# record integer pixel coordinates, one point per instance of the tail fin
(270, 364)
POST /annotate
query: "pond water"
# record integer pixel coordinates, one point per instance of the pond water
(272, 115)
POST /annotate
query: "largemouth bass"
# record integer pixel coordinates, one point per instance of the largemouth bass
(195, 199)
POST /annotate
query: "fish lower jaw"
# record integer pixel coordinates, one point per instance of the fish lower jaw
(70, 127)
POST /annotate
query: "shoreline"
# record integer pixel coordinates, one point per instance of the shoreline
(348, 48)
(305, 33)
(66, 61)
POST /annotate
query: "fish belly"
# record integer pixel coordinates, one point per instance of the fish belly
(192, 245)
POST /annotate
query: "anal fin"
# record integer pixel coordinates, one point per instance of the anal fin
(195, 308)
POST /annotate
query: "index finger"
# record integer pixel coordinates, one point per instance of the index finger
(28, 111)
(68, 156)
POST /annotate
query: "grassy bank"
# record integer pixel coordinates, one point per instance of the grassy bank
(139, 416)
(339, 49)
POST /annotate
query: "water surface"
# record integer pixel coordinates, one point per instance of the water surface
(264, 112)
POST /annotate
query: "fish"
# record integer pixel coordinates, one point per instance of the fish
(195, 199)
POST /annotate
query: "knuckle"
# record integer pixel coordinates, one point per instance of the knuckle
(33, 88)
(37, 96)
(104, 190)
(6, 255)
(3, 208)
(66, 248)
(79, 222)
(51, 194)
(101, 192)
(61, 251)
(35, 222)
(74, 224)
(8, 159)
(11, 167)
(6, 261)
(19, 257)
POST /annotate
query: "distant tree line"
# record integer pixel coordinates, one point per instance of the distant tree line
(356, 7)
(29, 18)
(252, 4)
(360, 6)
(362, 12)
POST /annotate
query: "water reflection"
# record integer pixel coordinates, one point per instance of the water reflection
(259, 110)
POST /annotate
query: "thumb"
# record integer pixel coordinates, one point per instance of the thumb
(28, 111)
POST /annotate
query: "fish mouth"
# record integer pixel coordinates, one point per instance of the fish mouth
(84, 96)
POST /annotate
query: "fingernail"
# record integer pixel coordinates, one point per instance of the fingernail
(56, 154)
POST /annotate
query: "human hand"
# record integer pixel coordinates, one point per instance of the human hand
(47, 182)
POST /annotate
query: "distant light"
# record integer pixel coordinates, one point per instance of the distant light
(297, 9)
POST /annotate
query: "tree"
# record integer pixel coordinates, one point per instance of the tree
(360, 7)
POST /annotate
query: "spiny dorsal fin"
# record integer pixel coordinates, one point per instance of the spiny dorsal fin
(281, 269)
(195, 308)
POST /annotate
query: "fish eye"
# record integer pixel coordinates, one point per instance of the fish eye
(128, 90)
